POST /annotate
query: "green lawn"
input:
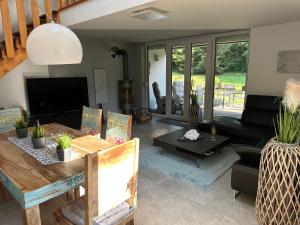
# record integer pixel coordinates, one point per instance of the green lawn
(237, 79)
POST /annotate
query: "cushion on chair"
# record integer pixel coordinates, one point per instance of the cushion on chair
(74, 212)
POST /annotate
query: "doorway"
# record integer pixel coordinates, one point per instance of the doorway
(213, 67)
(231, 60)
(157, 80)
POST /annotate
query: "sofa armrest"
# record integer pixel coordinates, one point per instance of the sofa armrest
(249, 154)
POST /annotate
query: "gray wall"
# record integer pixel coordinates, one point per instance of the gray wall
(96, 54)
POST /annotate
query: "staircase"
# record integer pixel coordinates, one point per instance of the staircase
(13, 48)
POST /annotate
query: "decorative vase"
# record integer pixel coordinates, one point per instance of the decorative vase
(22, 132)
(64, 154)
(278, 198)
(195, 114)
(39, 142)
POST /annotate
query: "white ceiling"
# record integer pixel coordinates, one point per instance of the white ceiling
(192, 17)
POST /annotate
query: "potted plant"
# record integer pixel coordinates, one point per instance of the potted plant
(21, 128)
(278, 185)
(64, 151)
(195, 110)
(38, 137)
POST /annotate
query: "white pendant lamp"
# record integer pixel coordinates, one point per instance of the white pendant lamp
(53, 44)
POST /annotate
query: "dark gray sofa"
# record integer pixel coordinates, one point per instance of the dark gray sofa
(251, 132)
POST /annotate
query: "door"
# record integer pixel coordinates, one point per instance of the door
(188, 71)
(200, 73)
(178, 80)
(157, 79)
(231, 60)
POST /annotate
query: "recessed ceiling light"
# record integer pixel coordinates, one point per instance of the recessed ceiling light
(149, 14)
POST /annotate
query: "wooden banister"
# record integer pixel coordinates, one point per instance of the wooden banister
(22, 22)
(48, 9)
(35, 13)
(65, 4)
(8, 37)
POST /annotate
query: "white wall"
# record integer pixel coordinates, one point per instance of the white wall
(265, 43)
(157, 74)
(96, 54)
(12, 88)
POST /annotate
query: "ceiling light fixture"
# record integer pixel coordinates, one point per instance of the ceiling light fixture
(149, 14)
(53, 44)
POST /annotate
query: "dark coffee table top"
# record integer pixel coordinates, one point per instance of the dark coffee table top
(201, 146)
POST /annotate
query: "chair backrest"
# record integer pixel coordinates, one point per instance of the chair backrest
(178, 88)
(91, 121)
(111, 179)
(118, 128)
(156, 91)
(8, 118)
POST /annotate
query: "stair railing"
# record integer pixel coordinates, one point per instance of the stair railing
(65, 4)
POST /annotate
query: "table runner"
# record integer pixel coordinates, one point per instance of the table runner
(46, 156)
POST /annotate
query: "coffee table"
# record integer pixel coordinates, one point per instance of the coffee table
(196, 150)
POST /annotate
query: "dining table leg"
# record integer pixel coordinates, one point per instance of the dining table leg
(32, 216)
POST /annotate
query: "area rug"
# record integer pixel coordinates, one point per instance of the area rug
(184, 169)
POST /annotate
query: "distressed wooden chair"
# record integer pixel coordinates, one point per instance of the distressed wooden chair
(90, 124)
(118, 128)
(111, 189)
(8, 118)
(91, 121)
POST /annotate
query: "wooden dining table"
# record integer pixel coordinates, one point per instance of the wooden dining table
(31, 183)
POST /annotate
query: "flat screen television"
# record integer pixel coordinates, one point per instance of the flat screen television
(56, 95)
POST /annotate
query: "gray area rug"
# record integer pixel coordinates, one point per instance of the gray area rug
(184, 169)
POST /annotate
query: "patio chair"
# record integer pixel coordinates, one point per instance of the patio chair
(200, 93)
(160, 100)
(228, 92)
(91, 121)
(178, 94)
(118, 128)
(111, 189)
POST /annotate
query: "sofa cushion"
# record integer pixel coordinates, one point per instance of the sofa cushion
(261, 110)
(263, 102)
(254, 116)
(232, 127)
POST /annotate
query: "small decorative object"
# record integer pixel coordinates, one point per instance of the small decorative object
(190, 135)
(213, 133)
(144, 116)
(38, 137)
(195, 110)
(64, 151)
(277, 200)
(21, 126)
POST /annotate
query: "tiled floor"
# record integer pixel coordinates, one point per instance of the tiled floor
(166, 201)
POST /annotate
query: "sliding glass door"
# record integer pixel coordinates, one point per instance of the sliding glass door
(213, 67)
(199, 75)
(231, 60)
(157, 79)
(178, 80)
(188, 72)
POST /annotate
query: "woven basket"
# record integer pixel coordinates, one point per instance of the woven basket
(195, 115)
(278, 194)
